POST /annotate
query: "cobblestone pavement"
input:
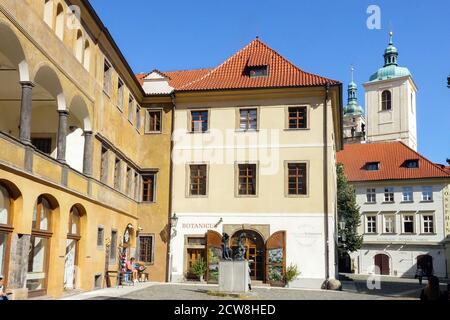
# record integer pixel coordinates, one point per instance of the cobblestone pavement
(199, 292)
(388, 286)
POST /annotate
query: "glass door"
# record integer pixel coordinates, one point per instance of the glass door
(70, 264)
(38, 265)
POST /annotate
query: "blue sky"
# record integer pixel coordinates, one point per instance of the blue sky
(320, 36)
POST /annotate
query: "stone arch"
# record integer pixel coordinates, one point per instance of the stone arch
(79, 123)
(78, 48)
(15, 196)
(48, 12)
(48, 79)
(11, 50)
(59, 21)
(48, 106)
(14, 71)
(79, 109)
(87, 55)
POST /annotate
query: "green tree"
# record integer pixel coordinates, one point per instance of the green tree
(348, 213)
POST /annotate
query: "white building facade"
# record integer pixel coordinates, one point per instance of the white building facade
(401, 234)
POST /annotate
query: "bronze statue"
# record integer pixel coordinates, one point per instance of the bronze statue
(227, 253)
(240, 251)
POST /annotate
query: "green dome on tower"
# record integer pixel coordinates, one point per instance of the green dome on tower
(353, 108)
(390, 69)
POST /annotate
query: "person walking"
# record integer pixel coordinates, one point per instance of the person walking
(432, 292)
(419, 274)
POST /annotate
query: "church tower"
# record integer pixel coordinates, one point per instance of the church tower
(354, 121)
(391, 102)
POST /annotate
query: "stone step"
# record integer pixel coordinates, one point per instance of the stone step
(69, 293)
(256, 283)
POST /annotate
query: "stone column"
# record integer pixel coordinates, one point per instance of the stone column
(62, 134)
(25, 111)
(87, 155)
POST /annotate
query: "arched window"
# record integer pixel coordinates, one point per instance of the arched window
(39, 252)
(386, 100)
(79, 46)
(87, 55)
(5, 206)
(48, 13)
(59, 28)
(42, 215)
(74, 222)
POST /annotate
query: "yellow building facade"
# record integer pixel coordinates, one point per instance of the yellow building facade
(83, 179)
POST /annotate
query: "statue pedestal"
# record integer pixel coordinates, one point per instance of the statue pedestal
(233, 276)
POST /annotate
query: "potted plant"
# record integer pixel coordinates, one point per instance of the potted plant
(199, 268)
(291, 274)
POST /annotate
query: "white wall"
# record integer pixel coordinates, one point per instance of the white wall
(75, 149)
(403, 249)
(398, 123)
(304, 244)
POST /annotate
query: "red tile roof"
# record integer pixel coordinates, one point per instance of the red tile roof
(231, 74)
(177, 78)
(391, 156)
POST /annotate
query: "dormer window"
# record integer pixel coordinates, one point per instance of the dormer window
(412, 164)
(258, 71)
(372, 166)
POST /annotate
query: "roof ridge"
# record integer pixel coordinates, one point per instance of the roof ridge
(291, 63)
(255, 42)
(185, 70)
(216, 68)
(160, 73)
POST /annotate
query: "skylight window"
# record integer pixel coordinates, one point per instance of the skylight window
(372, 166)
(412, 164)
(258, 71)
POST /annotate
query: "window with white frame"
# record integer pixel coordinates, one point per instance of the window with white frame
(389, 223)
(427, 193)
(371, 224)
(408, 194)
(427, 223)
(389, 194)
(408, 223)
(371, 195)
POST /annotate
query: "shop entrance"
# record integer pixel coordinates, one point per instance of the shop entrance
(194, 255)
(254, 251)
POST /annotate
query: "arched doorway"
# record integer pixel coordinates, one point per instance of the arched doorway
(71, 259)
(41, 234)
(425, 262)
(254, 251)
(383, 264)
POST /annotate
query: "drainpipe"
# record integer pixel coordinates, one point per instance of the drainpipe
(169, 243)
(325, 181)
